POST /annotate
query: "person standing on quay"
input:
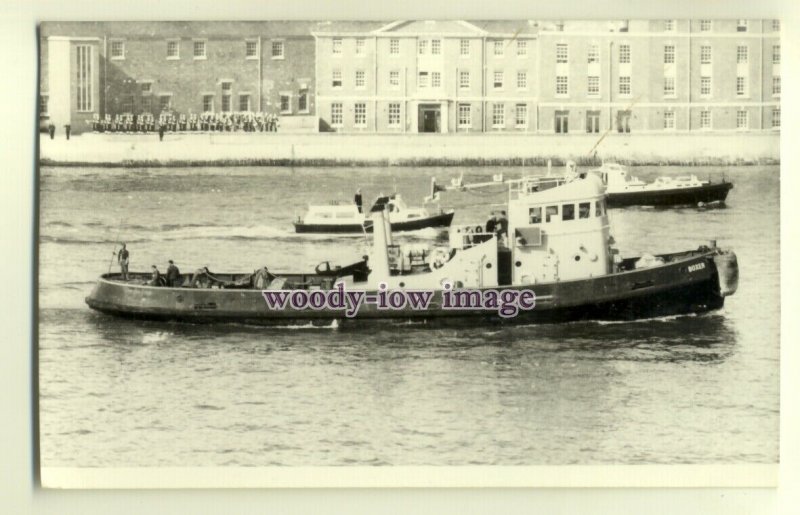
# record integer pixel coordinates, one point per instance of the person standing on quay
(123, 259)
(160, 131)
(51, 129)
(358, 200)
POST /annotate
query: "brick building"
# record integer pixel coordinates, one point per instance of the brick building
(100, 68)
(423, 76)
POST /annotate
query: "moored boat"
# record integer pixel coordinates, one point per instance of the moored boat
(555, 250)
(625, 190)
(346, 217)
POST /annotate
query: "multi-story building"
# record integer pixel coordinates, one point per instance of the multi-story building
(424, 76)
(94, 69)
(663, 75)
(427, 76)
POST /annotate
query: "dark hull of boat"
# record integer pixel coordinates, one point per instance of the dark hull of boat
(689, 284)
(440, 220)
(705, 194)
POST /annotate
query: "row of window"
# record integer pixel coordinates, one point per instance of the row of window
(568, 212)
(199, 47)
(520, 112)
(624, 86)
(433, 46)
(624, 54)
(226, 102)
(706, 25)
(561, 120)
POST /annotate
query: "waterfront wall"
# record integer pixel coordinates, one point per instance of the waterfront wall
(93, 149)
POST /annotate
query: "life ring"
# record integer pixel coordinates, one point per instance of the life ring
(438, 257)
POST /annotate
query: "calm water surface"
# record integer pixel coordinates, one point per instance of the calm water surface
(695, 389)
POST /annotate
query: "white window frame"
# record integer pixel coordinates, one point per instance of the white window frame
(464, 48)
(394, 47)
(669, 120)
(462, 84)
(336, 72)
(422, 46)
(710, 86)
(522, 80)
(247, 43)
(169, 103)
(670, 25)
(625, 53)
(303, 92)
(739, 125)
(589, 92)
(394, 110)
(204, 43)
(706, 25)
(142, 84)
(562, 80)
(436, 80)
(361, 76)
(625, 80)
(288, 95)
(593, 54)
(706, 114)
(362, 106)
(522, 48)
(203, 97)
(498, 74)
(670, 92)
(776, 54)
(498, 48)
(776, 116)
(177, 43)
(669, 53)
(776, 25)
(249, 97)
(562, 53)
(277, 43)
(394, 74)
(742, 54)
(336, 46)
(706, 52)
(111, 43)
(742, 26)
(436, 46)
(776, 85)
(337, 110)
(361, 47)
(498, 115)
(742, 92)
(464, 116)
(524, 109)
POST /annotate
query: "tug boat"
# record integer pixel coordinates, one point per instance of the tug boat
(345, 217)
(556, 243)
(624, 190)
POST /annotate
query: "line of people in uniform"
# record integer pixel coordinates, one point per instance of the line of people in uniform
(246, 121)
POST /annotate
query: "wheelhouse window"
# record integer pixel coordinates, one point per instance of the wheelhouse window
(584, 210)
(535, 215)
(550, 213)
(567, 212)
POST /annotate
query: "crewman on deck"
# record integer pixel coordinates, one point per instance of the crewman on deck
(173, 275)
(199, 274)
(155, 278)
(358, 200)
(123, 258)
(262, 278)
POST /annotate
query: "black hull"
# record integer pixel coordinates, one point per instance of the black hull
(440, 220)
(675, 197)
(688, 285)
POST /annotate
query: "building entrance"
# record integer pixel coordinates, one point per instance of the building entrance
(430, 118)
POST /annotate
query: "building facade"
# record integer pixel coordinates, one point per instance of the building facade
(182, 67)
(423, 76)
